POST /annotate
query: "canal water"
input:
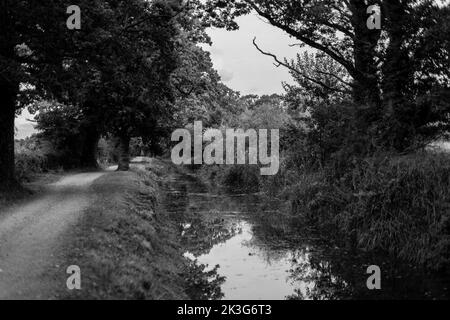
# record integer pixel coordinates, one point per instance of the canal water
(248, 240)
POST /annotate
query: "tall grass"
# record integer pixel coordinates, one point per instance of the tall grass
(400, 205)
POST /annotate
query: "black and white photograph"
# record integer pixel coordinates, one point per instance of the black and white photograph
(226, 156)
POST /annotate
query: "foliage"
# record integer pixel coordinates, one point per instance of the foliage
(107, 151)
(34, 155)
(389, 73)
(154, 71)
(396, 204)
(63, 126)
(305, 94)
(250, 112)
(203, 284)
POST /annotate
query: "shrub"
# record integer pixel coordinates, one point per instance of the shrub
(32, 156)
(29, 163)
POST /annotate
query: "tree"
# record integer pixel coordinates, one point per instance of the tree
(390, 69)
(116, 75)
(64, 128)
(9, 88)
(327, 86)
(21, 44)
(145, 57)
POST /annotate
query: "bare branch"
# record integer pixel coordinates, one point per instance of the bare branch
(348, 65)
(286, 65)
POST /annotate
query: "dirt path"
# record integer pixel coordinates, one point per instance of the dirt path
(31, 235)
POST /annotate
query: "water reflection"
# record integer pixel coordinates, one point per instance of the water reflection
(249, 247)
(249, 271)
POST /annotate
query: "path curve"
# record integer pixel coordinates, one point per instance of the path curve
(31, 234)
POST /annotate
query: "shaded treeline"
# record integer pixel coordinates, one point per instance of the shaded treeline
(123, 74)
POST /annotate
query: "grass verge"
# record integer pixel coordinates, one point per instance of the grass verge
(124, 247)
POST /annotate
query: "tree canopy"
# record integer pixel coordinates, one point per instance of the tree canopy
(398, 75)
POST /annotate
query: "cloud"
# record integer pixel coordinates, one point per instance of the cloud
(226, 75)
(241, 66)
(24, 130)
(216, 50)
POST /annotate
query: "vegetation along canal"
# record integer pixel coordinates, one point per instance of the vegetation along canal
(251, 243)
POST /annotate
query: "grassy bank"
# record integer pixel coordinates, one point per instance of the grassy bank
(396, 204)
(125, 248)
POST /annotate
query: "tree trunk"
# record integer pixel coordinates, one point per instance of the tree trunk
(89, 151)
(398, 71)
(398, 79)
(9, 87)
(8, 94)
(124, 153)
(366, 91)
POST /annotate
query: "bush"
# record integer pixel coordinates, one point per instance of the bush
(33, 156)
(29, 163)
(400, 205)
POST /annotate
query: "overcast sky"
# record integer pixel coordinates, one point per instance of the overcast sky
(241, 66)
